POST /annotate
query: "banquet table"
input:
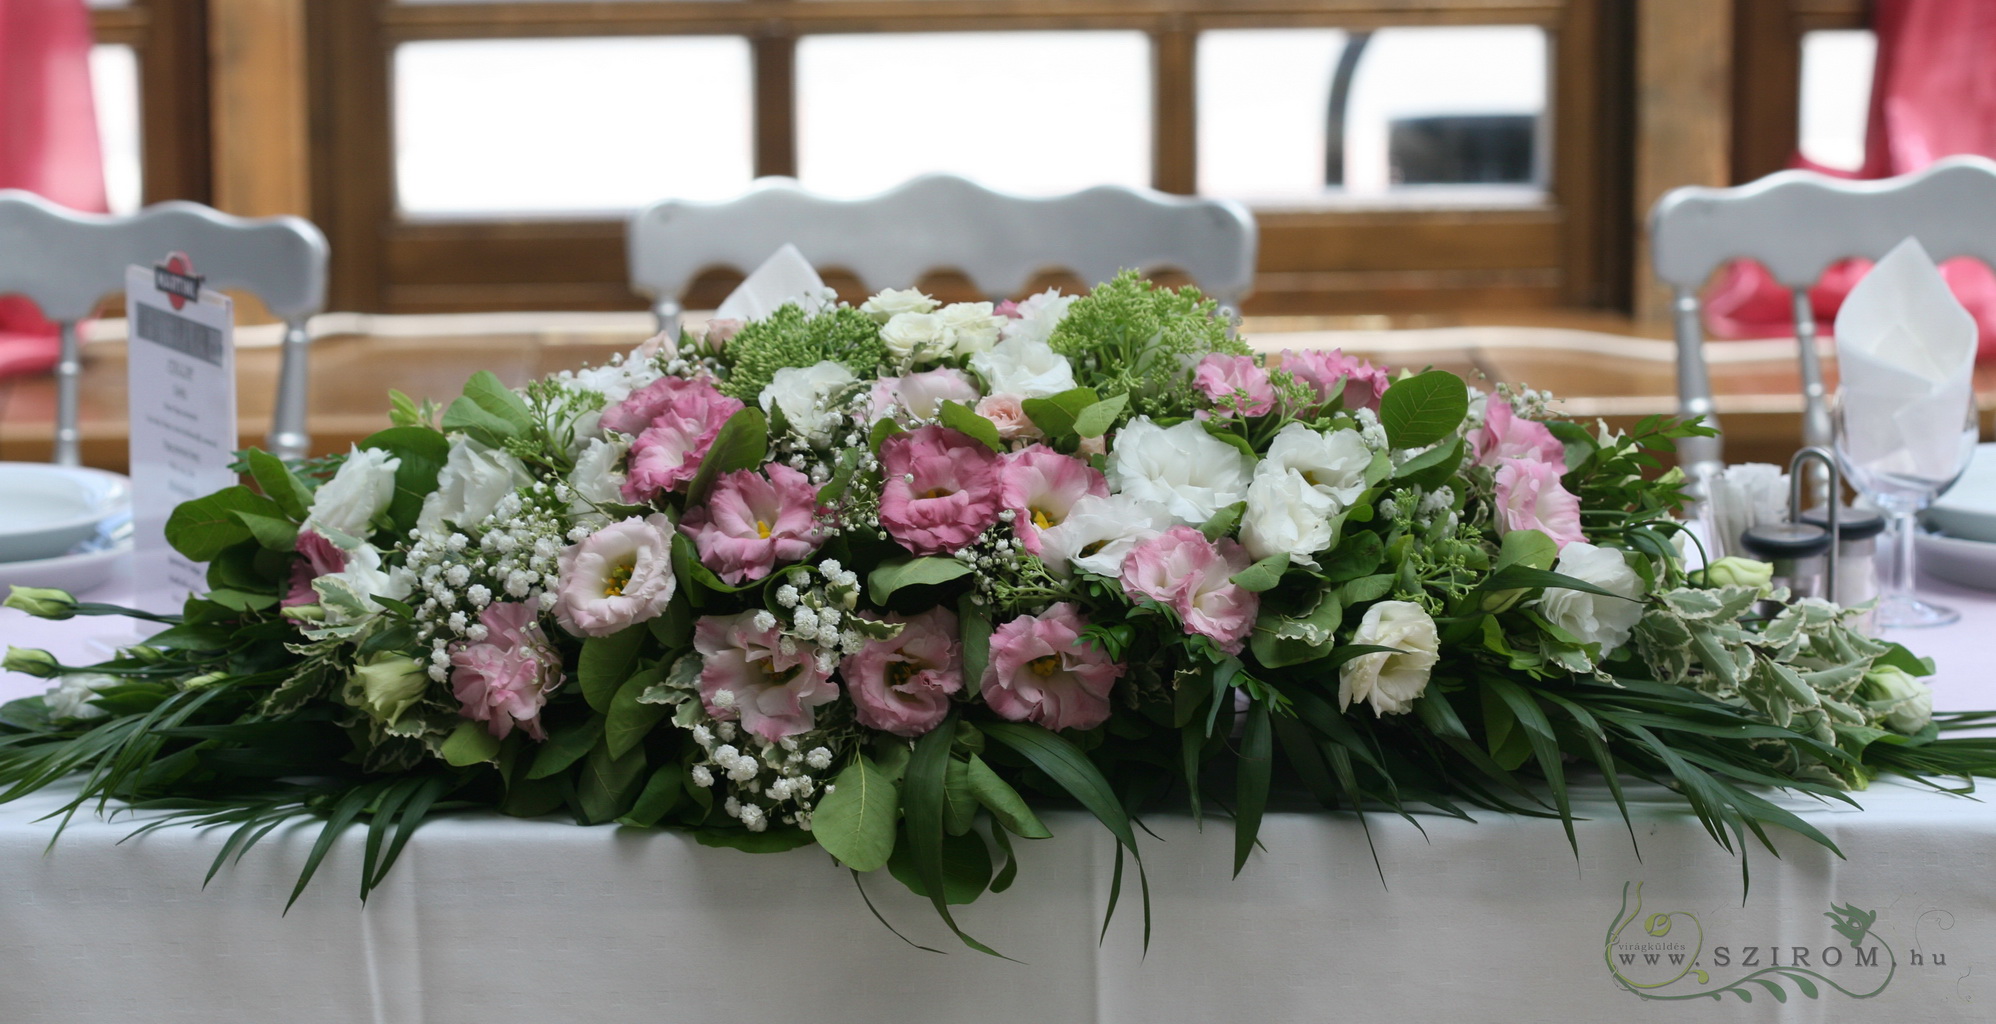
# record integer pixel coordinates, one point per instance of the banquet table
(490, 919)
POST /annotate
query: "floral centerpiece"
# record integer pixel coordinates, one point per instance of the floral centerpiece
(886, 578)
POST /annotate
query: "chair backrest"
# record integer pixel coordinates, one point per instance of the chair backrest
(1798, 223)
(66, 261)
(941, 221)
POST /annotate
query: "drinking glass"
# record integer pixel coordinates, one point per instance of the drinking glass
(1900, 485)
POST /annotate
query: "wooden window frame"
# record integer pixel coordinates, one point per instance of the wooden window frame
(1767, 82)
(170, 39)
(1569, 250)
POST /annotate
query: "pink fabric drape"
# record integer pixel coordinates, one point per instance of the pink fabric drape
(48, 141)
(1933, 94)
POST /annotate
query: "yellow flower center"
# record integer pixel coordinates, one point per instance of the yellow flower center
(1088, 550)
(1045, 666)
(937, 492)
(1041, 520)
(614, 583)
(762, 529)
(899, 672)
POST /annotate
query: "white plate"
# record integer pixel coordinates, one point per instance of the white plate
(1971, 563)
(75, 573)
(1968, 509)
(47, 510)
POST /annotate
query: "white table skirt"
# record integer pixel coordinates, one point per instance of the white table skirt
(487, 919)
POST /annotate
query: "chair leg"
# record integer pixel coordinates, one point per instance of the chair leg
(1816, 427)
(68, 384)
(1699, 456)
(288, 436)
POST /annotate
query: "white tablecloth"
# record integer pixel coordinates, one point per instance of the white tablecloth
(490, 920)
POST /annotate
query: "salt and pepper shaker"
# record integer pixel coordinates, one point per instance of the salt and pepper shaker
(1804, 555)
(1857, 551)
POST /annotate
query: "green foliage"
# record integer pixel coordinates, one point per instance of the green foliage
(1131, 337)
(789, 338)
(1423, 409)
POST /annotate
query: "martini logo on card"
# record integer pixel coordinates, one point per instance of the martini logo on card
(1673, 955)
(177, 279)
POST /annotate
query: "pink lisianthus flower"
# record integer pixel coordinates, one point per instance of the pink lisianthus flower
(1193, 576)
(504, 679)
(1235, 383)
(921, 395)
(1008, 309)
(942, 489)
(1321, 370)
(675, 421)
(903, 685)
(1530, 497)
(617, 576)
(1040, 672)
(745, 676)
(1506, 435)
(1007, 412)
(1040, 486)
(317, 556)
(754, 520)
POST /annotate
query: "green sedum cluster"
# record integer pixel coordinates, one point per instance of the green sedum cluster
(1130, 337)
(789, 338)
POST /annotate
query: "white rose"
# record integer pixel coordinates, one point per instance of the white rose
(970, 326)
(596, 480)
(69, 697)
(471, 483)
(1188, 471)
(1099, 532)
(893, 302)
(1024, 367)
(915, 336)
(361, 490)
(1038, 316)
(804, 393)
(1334, 463)
(1390, 682)
(1591, 618)
(1286, 514)
(347, 595)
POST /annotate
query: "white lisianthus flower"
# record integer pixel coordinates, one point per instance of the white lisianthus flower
(1334, 462)
(1182, 467)
(1390, 681)
(1591, 618)
(69, 697)
(970, 326)
(347, 595)
(596, 480)
(915, 337)
(388, 685)
(895, 301)
(470, 485)
(1024, 367)
(1038, 316)
(361, 490)
(1908, 701)
(1286, 514)
(1099, 532)
(805, 393)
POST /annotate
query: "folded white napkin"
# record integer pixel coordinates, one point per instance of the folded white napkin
(785, 276)
(1906, 353)
(1745, 495)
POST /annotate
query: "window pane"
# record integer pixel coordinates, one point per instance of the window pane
(114, 85)
(1836, 95)
(1030, 112)
(1450, 114)
(570, 125)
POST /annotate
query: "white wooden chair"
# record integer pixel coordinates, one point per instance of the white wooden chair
(66, 262)
(1797, 223)
(941, 221)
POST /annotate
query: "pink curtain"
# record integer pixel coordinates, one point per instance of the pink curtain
(1933, 94)
(48, 141)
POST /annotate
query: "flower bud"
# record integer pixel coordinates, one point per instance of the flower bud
(42, 602)
(387, 684)
(1735, 571)
(1906, 703)
(30, 661)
